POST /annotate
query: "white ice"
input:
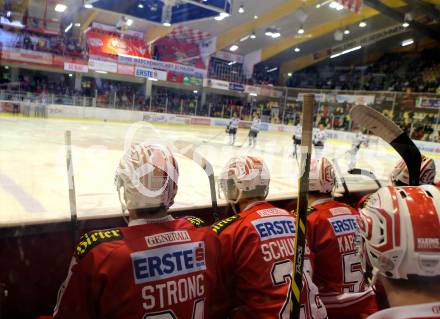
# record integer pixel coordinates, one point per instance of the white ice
(33, 174)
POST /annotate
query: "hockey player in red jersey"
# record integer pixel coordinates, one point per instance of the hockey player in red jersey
(399, 244)
(158, 266)
(331, 232)
(258, 246)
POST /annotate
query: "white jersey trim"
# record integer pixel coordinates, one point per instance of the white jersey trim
(343, 300)
(427, 310)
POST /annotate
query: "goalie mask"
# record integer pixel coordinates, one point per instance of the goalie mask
(399, 232)
(400, 174)
(244, 177)
(148, 175)
(322, 176)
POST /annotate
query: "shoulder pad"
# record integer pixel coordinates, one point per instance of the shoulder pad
(219, 226)
(94, 238)
(195, 221)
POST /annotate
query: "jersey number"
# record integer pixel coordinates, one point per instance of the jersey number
(198, 311)
(282, 274)
(353, 277)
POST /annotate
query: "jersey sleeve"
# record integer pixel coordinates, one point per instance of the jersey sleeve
(79, 293)
(75, 296)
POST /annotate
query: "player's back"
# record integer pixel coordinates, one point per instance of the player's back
(151, 270)
(336, 266)
(257, 252)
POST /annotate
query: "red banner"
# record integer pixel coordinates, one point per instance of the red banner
(105, 43)
(179, 52)
(27, 56)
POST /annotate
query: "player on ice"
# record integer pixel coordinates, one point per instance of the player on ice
(231, 128)
(254, 130)
(130, 272)
(360, 139)
(331, 230)
(399, 246)
(257, 246)
(297, 131)
(319, 138)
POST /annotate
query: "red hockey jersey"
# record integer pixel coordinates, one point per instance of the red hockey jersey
(163, 268)
(423, 311)
(257, 252)
(337, 272)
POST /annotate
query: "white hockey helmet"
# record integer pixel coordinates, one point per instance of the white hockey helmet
(400, 175)
(399, 230)
(247, 174)
(148, 175)
(322, 176)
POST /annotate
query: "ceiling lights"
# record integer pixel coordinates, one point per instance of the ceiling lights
(336, 5)
(272, 70)
(253, 36)
(60, 7)
(255, 17)
(345, 52)
(140, 6)
(88, 6)
(232, 63)
(362, 24)
(300, 30)
(405, 24)
(233, 48)
(297, 49)
(221, 16)
(272, 32)
(289, 74)
(347, 31)
(166, 24)
(129, 22)
(77, 24)
(407, 42)
(241, 9)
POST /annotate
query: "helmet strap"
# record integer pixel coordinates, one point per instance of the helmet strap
(123, 205)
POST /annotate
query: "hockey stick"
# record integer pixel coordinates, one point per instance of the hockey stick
(212, 138)
(387, 130)
(302, 203)
(189, 151)
(342, 179)
(364, 172)
(71, 183)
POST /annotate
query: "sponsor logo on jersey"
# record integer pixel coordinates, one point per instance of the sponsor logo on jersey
(343, 224)
(169, 237)
(274, 227)
(169, 261)
(272, 212)
(94, 238)
(428, 244)
(195, 221)
(218, 227)
(340, 211)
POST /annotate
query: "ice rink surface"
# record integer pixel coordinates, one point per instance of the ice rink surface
(33, 174)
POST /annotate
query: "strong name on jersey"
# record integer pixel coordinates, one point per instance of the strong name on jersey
(166, 268)
(257, 250)
(337, 272)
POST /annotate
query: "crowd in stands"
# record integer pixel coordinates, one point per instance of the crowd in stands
(60, 45)
(418, 72)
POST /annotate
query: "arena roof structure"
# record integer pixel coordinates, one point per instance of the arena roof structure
(288, 34)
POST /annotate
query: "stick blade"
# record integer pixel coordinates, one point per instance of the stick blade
(386, 129)
(375, 122)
